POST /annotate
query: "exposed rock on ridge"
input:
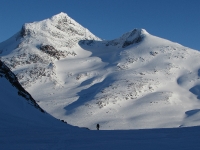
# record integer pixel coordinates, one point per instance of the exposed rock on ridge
(129, 38)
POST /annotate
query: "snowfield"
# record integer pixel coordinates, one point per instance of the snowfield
(60, 138)
(136, 81)
(25, 126)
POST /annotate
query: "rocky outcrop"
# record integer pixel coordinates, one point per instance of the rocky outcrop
(129, 38)
(25, 31)
(136, 40)
(50, 50)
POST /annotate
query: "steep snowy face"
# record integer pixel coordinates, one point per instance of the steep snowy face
(64, 31)
(31, 53)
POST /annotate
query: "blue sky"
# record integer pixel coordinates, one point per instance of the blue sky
(175, 20)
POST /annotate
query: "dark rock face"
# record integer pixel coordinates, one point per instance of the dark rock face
(5, 72)
(135, 37)
(127, 43)
(16, 60)
(24, 31)
(129, 38)
(50, 50)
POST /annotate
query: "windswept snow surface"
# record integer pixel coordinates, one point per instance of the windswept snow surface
(62, 139)
(136, 81)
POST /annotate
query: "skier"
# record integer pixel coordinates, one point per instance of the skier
(98, 126)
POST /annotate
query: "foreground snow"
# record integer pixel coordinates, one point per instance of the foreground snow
(45, 138)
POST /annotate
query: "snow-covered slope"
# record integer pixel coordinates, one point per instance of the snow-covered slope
(135, 81)
(18, 110)
(25, 126)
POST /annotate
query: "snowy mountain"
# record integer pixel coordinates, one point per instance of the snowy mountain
(135, 81)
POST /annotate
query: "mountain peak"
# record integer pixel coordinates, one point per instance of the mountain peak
(132, 37)
(60, 28)
(143, 31)
(59, 16)
(135, 32)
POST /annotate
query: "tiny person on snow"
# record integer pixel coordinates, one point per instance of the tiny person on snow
(98, 126)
